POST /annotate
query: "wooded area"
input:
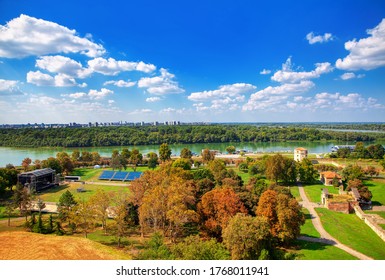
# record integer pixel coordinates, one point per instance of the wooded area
(183, 134)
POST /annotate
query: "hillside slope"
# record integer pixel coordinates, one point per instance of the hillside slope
(32, 246)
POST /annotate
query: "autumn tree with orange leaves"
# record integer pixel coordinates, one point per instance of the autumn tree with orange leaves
(217, 207)
(283, 213)
(165, 198)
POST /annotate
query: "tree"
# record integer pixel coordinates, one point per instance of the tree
(164, 152)
(307, 172)
(156, 249)
(182, 163)
(167, 204)
(217, 207)
(99, 203)
(65, 204)
(376, 151)
(135, 158)
(121, 217)
(9, 211)
(83, 216)
(26, 163)
(186, 153)
(75, 155)
(230, 150)
(283, 213)
(275, 167)
(95, 157)
(8, 178)
(352, 172)
(207, 155)
(126, 153)
(246, 237)
(65, 162)
(86, 156)
(371, 171)
(152, 160)
(37, 163)
(22, 200)
(53, 163)
(194, 248)
(363, 190)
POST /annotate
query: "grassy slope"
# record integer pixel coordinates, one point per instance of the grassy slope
(377, 187)
(308, 229)
(50, 247)
(318, 251)
(313, 192)
(353, 232)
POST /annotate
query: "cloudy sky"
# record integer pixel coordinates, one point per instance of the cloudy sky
(214, 61)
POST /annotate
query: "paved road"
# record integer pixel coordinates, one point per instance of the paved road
(325, 236)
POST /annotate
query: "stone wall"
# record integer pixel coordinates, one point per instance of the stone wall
(370, 222)
(343, 207)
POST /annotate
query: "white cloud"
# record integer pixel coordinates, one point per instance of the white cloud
(287, 75)
(9, 87)
(140, 111)
(270, 96)
(120, 83)
(94, 94)
(226, 97)
(234, 90)
(77, 95)
(60, 80)
(367, 53)
(350, 75)
(160, 85)
(40, 79)
(319, 38)
(265, 72)
(153, 99)
(26, 36)
(63, 65)
(113, 67)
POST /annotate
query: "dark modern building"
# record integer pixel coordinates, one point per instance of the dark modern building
(39, 179)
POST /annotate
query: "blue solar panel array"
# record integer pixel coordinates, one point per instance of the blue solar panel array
(119, 175)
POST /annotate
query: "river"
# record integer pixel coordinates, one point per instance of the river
(16, 155)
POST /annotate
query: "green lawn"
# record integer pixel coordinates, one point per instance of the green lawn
(53, 194)
(377, 187)
(308, 229)
(353, 232)
(91, 174)
(295, 192)
(319, 251)
(313, 192)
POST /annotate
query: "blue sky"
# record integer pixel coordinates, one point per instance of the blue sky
(214, 61)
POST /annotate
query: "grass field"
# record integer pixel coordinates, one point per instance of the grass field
(313, 192)
(377, 187)
(295, 192)
(308, 229)
(353, 232)
(52, 247)
(53, 194)
(318, 251)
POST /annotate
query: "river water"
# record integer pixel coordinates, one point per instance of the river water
(16, 155)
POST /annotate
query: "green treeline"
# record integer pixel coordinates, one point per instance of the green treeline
(184, 134)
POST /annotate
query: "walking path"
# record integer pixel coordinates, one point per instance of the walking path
(325, 236)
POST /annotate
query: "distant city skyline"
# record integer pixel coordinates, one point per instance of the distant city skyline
(192, 61)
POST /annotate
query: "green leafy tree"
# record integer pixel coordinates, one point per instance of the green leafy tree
(363, 190)
(152, 160)
(156, 249)
(194, 248)
(182, 163)
(126, 153)
(66, 203)
(53, 163)
(230, 150)
(246, 237)
(164, 152)
(307, 172)
(65, 162)
(22, 200)
(135, 158)
(99, 204)
(352, 172)
(75, 155)
(186, 153)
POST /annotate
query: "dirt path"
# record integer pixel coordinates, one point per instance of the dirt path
(325, 236)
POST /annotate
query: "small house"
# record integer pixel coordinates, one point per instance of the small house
(327, 178)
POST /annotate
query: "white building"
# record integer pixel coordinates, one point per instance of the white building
(300, 154)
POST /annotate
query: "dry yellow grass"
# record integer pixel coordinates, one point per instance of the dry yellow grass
(32, 246)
